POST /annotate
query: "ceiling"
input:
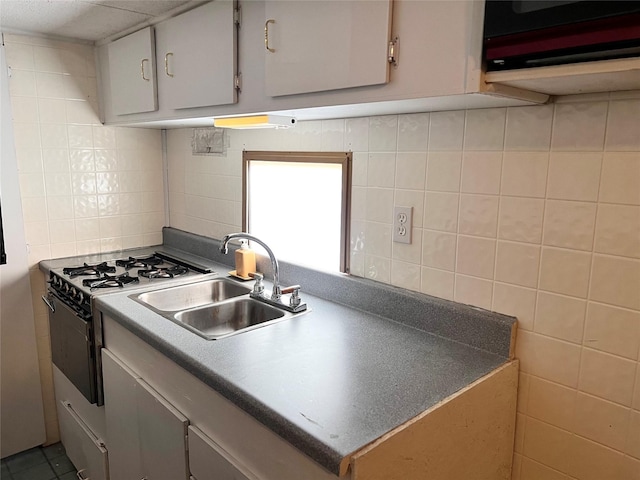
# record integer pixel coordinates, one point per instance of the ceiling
(87, 20)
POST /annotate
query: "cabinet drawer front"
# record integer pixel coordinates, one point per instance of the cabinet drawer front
(83, 448)
(208, 461)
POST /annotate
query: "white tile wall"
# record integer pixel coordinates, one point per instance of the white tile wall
(530, 211)
(85, 188)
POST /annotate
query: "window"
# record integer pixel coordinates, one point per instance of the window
(298, 203)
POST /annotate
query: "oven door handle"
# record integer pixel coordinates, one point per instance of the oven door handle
(49, 304)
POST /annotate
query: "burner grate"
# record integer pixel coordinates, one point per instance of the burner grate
(87, 269)
(163, 272)
(132, 262)
(110, 281)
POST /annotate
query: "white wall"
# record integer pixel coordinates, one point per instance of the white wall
(22, 414)
(85, 188)
(530, 211)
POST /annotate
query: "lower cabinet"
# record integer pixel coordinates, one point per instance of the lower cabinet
(86, 452)
(146, 435)
(209, 461)
(148, 438)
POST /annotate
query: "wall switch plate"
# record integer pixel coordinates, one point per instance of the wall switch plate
(402, 224)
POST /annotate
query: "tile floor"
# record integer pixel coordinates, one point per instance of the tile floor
(39, 463)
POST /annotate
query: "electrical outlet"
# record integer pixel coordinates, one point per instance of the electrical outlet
(402, 224)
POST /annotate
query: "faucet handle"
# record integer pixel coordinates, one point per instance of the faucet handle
(258, 287)
(294, 290)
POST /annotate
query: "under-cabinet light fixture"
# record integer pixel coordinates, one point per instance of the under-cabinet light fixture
(255, 121)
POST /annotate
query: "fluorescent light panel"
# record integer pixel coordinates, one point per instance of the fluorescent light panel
(255, 121)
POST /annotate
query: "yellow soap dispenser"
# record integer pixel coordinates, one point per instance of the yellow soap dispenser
(245, 260)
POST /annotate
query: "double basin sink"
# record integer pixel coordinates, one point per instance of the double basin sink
(213, 309)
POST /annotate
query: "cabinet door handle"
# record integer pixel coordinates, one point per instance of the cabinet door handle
(166, 64)
(81, 474)
(266, 35)
(142, 69)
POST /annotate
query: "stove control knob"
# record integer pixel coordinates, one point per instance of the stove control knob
(72, 292)
(66, 287)
(80, 297)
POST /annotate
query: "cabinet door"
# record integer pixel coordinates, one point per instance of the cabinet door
(319, 45)
(84, 450)
(208, 461)
(197, 51)
(121, 414)
(132, 73)
(163, 436)
(146, 436)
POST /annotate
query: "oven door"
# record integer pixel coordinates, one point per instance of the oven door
(72, 346)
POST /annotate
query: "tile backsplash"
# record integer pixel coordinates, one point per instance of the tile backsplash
(529, 211)
(85, 187)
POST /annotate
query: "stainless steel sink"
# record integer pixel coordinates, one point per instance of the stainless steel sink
(229, 317)
(213, 308)
(193, 295)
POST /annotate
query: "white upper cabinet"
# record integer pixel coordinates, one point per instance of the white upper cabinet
(197, 57)
(313, 45)
(132, 73)
(320, 59)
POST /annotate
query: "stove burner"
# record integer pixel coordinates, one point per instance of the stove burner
(89, 270)
(163, 272)
(110, 281)
(132, 262)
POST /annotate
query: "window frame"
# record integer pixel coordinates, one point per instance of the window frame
(343, 158)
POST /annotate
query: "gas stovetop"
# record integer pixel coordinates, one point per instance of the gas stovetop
(77, 283)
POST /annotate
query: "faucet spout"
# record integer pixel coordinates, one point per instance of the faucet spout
(277, 291)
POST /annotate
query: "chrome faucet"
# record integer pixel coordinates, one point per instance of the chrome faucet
(295, 304)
